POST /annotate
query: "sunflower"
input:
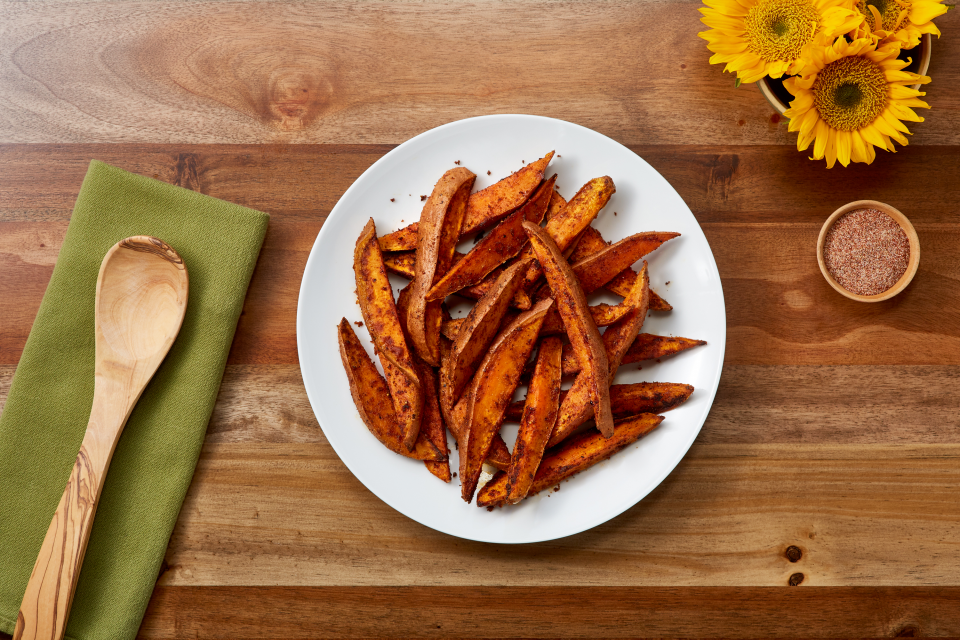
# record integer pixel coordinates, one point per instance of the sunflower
(765, 37)
(851, 97)
(901, 20)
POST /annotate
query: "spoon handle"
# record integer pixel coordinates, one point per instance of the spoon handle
(49, 594)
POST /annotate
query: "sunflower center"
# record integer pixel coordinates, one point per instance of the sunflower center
(778, 29)
(889, 11)
(850, 93)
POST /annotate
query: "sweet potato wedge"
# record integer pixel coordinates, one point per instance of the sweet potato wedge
(536, 425)
(502, 243)
(576, 409)
(373, 401)
(380, 315)
(499, 454)
(432, 428)
(591, 242)
(439, 230)
(557, 203)
(402, 263)
(567, 225)
(579, 324)
(477, 332)
(402, 240)
(603, 316)
(581, 452)
(629, 399)
(496, 380)
(521, 300)
(598, 269)
(646, 346)
(491, 205)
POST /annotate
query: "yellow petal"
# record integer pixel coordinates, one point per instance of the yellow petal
(820, 145)
(831, 151)
(891, 119)
(922, 12)
(871, 135)
(858, 148)
(843, 147)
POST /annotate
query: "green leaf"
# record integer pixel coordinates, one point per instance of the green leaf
(736, 83)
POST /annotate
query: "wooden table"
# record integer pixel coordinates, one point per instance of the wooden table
(829, 460)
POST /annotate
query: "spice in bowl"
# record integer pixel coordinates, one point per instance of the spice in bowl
(866, 251)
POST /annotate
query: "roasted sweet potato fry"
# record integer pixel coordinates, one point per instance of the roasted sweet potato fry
(646, 346)
(499, 454)
(432, 427)
(581, 452)
(603, 316)
(380, 315)
(496, 380)
(598, 269)
(557, 203)
(591, 242)
(576, 409)
(373, 401)
(478, 331)
(502, 243)
(567, 225)
(629, 399)
(580, 327)
(402, 263)
(491, 205)
(403, 240)
(536, 425)
(439, 231)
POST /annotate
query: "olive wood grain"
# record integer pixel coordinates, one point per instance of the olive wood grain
(141, 298)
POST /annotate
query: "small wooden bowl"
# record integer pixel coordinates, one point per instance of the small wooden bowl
(900, 219)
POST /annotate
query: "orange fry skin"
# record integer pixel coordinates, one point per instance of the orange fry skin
(496, 380)
(630, 399)
(646, 346)
(598, 269)
(439, 229)
(581, 329)
(489, 206)
(579, 453)
(502, 243)
(566, 226)
(432, 427)
(372, 399)
(590, 243)
(402, 240)
(575, 409)
(536, 425)
(403, 264)
(476, 333)
(380, 315)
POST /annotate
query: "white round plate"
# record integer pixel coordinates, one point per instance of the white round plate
(644, 201)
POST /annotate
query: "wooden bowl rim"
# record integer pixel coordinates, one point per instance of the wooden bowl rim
(905, 224)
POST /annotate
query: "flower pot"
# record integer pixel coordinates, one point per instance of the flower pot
(779, 98)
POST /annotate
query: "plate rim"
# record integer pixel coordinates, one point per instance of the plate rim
(626, 501)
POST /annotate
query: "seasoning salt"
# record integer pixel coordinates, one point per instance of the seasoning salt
(866, 251)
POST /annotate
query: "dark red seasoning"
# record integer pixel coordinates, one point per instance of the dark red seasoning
(866, 251)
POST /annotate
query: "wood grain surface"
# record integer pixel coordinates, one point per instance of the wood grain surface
(381, 72)
(829, 460)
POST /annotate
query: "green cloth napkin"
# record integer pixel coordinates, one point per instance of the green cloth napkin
(46, 412)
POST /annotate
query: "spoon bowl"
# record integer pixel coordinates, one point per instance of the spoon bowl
(140, 304)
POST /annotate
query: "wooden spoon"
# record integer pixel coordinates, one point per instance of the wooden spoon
(141, 299)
